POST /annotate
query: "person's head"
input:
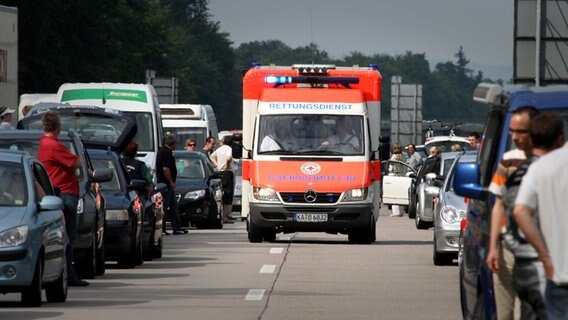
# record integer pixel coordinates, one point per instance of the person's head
(170, 141)
(342, 124)
(281, 129)
(396, 148)
(190, 144)
(51, 121)
(411, 148)
(519, 127)
(546, 131)
(209, 143)
(6, 114)
(26, 109)
(456, 147)
(474, 140)
(131, 149)
(227, 140)
(434, 151)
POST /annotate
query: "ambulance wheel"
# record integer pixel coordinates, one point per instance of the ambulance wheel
(254, 232)
(269, 234)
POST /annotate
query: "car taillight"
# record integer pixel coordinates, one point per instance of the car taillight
(463, 225)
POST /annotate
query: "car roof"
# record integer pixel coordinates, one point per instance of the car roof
(16, 134)
(15, 156)
(548, 97)
(189, 154)
(444, 138)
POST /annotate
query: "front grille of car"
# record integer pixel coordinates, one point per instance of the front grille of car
(311, 209)
(299, 197)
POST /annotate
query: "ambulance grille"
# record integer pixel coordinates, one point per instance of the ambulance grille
(299, 197)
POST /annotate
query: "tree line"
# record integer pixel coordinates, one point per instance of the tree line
(116, 41)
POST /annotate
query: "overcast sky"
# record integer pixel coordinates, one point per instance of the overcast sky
(435, 27)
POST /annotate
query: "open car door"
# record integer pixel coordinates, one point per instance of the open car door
(395, 188)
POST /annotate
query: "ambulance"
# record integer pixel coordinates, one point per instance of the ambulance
(310, 135)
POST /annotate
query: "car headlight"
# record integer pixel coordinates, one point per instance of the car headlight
(358, 194)
(264, 194)
(194, 195)
(451, 214)
(14, 237)
(117, 214)
(80, 206)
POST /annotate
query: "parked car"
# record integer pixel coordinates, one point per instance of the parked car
(88, 249)
(433, 172)
(395, 188)
(33, 241)
(445, 143)
(124, 211)
(472, 180)
(199, 190)
(449, 210)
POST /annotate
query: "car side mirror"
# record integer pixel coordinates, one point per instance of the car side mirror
(137, 185)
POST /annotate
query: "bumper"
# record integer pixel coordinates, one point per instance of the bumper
(194, 211)
(119, 238)
(17, 267)
(340, 218)
(447, 240)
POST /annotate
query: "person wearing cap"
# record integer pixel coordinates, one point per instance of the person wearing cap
(6, 118)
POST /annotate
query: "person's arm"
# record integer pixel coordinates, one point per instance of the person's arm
(213, 158)
(168, 176)
(497, 215)
(523, 216)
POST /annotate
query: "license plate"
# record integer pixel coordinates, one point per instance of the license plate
(310, 217)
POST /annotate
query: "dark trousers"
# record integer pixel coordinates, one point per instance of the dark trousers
(171, 206)
(228, 180)
(70, 203)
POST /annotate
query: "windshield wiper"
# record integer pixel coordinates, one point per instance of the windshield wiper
(322, 152)
(279, 152)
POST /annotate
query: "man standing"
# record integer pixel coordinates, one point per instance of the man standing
(166, 172)
(544, 187)
(209, 146)
(528, 273)
(6, 118)
(474, 140)
(414, 157)
(61, 165)
(500, 260)
(222, 158)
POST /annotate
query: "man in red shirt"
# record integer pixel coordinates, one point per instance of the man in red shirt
(61, 165)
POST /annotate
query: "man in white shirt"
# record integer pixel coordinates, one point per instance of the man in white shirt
(222, 158)
(414, 158)
(279, 140)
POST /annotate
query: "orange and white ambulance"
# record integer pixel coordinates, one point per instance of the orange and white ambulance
(310, 135)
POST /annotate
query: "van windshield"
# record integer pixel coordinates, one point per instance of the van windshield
(311, 134)
(145, 131)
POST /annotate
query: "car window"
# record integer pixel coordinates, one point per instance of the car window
(190, 168)
(447, 164)
(42, 183)
(13, 189)
(114, 184)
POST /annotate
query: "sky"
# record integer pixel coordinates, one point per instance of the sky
(435, 27)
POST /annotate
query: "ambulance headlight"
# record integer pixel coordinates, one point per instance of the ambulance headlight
(358, 194)
(264, 194)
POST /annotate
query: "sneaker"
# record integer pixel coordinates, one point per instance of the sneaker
(77, 283)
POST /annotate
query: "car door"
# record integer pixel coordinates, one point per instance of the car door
(51, 221)
(395, 188)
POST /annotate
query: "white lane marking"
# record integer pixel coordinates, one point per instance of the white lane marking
(268, 268)
(285, 238)
(276, 250)
(255, 294)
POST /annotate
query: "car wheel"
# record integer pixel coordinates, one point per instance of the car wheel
(31, 296)
(420, 225)
(216, 219)
(412, 210)
(139, 257)
(86, 266)
(254, 232)
(101, 260)
(57, 291)
(157, 252)
(269, 234)
(148, 253)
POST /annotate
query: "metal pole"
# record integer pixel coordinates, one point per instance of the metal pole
(537, 44)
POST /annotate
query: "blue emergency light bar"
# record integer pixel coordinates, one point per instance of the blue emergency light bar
(278, 80)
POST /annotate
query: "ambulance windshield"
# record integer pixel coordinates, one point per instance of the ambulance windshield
(311, 135)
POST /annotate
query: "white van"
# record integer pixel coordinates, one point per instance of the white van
(32, 99)
(185, 121)
(136, 100)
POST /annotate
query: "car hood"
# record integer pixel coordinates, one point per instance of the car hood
(116, 200)
(185, 185)
(11, 217)
(99, 128)
(452, 199)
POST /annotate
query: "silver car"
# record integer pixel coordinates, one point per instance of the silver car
(449, 210)
(434, 170)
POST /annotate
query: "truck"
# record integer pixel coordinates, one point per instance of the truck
(9, 57)
(185, 121)
(324, 174)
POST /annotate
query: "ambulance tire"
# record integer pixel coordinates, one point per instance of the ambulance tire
(269, 234)
(254, 232)
(365, 235)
